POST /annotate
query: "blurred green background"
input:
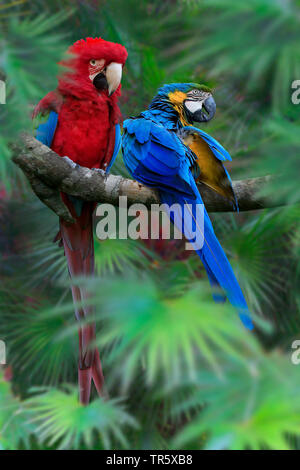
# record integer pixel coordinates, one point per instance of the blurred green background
(182, 371)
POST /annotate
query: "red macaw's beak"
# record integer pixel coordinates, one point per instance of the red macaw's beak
(113, 76)
(109, 79)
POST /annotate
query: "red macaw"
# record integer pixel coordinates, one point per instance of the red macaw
(83, 125)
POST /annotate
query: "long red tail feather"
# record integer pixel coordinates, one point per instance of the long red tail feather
(77, 239)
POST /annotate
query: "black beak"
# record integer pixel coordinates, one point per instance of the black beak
(207, 112)
(100, 81)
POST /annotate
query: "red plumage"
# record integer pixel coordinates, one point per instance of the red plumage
(85, 132)
(86, 117)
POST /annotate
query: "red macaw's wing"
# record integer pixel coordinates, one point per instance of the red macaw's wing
(51, 102)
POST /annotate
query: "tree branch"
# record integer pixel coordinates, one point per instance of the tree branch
(49, 174)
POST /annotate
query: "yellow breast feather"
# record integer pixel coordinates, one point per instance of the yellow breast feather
(212, 172)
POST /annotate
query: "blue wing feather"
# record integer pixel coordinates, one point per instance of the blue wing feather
(118, 143)
(45, 132)
(157, 158)
(159, 162)
(166, 150)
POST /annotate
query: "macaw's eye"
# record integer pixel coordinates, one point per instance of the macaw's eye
(195, 93)
(93, 62)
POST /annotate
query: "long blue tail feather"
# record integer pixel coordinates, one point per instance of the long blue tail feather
(212, 255)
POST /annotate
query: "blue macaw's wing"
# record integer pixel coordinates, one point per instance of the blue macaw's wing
(210, 156)
(155, 157)
(118, 142)
(46, 130)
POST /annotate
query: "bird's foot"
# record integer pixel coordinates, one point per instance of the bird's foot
(70, 162)
(99, 170)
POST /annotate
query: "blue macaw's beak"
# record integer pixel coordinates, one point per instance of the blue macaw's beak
(207, 112)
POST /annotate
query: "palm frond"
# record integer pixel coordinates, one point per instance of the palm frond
(14, 427)
(163, 336)
(61, 420)
(256, 411)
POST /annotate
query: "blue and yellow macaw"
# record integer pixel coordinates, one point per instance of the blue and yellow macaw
(162, 150)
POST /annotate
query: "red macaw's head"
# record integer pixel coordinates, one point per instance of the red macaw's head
(93, 68)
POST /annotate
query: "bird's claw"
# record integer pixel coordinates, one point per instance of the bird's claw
(70, 162)
(75, 165)
(99, 170)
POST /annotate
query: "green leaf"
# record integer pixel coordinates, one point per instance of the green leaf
(62, 421)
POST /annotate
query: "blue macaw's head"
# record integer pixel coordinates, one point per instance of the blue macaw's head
(191, 101)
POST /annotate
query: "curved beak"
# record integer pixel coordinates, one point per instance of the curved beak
(113, 76)
(207, 112)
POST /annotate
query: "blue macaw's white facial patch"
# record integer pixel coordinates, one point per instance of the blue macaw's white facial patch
(193, 106)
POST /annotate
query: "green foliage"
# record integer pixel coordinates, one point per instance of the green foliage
(61, 421)
(262, 255)
(253, 405)
(117, 255)
(14, 427)
(261, 50)
(280, 158)
(157, 331)
(29, 51)
(36, 356)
